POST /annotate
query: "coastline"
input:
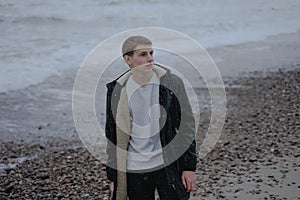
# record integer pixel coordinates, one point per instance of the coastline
(37, 124)
(269, 54)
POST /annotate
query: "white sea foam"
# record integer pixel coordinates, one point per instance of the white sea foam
(39, 38)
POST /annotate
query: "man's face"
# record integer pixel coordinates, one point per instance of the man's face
(142, 58)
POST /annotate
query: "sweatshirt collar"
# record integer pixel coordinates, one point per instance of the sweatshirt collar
(158, 70)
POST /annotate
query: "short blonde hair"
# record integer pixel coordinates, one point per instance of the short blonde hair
(132, 42)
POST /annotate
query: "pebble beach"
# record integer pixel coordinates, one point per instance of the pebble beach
(257, 156)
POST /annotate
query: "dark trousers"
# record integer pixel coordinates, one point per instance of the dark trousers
(141, 186)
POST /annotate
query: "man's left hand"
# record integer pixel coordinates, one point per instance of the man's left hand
(189, 180)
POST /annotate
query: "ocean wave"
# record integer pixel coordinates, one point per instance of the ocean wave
(38, 19)
(6, 5)
(121, 2)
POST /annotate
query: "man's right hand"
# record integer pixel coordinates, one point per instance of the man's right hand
(111, 190)
(112, 187)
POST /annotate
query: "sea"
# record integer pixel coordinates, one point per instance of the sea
(41, 38)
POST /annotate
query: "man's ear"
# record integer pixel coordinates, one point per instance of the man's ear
(127, 59)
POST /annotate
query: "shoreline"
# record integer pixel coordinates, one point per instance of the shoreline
(276, 52)
(37, 125)
(43, 112)
(231, 59)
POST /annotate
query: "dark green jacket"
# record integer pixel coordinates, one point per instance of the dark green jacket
(177, 133)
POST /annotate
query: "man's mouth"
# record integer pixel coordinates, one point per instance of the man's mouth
(149, 65)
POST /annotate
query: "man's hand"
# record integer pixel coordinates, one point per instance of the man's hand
(189, 180)
(111, 190)
(112, 187)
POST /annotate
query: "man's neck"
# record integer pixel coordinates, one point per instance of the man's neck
(142, 78)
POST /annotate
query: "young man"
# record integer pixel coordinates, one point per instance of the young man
(149, 122)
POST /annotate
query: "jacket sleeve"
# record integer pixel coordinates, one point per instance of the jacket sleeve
(110, 133)
(186, 128)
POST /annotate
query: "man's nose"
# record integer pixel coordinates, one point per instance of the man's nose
(150, 57)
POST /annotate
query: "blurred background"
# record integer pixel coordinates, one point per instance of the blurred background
(39, 38)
